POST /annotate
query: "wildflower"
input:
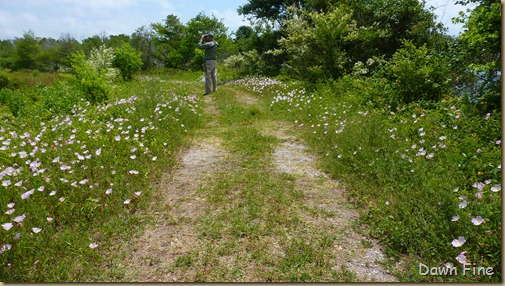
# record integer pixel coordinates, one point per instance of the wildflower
(93, 245)
(479, 185)
(477, 220)
(479, 195)
(36, 230)
(49, 219)
(7, 226)
(98, 152)
(138, 193)
(463, 204)
(61, 199)
(498, 142)
(10, 211)
(36, 262)
(6, 183)
(442, 137)
(108, 191)
(458, 242)
(429, 156)
(133, 157)
(134, 172)
(449, 265)
(84, 181)
(496, 188)
(24, 196)
(127, 201)
(456, 190)
(461, 258)
(20, 218)
(52, 193)
(154, 158)
(455, 218)
(41, 188)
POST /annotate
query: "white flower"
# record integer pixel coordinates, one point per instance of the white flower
(93, 245)
(7, 226)
(36, 230)
(455, 218)
(463, 204)
(126, 202)
(98, 152)
(458, 242)
(20, 218)
(134, 172)
(496, 188)
(461, 258)
(477, 220)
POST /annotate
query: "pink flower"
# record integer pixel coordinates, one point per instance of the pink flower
(24, 196)
(496, 188)
(477, 220)
(7, 226)
(20, 218)
(461, 258)
(458, 242)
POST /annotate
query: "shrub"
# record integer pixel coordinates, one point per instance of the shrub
(414, 74)
(94, 76)
(127, 60)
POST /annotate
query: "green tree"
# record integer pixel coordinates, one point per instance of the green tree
(142, 41)
(311, 55)
(167, 39)
(127, 60)
(480, 51)
(28, 51)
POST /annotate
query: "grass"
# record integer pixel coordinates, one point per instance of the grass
(421, 174)
(253, 229)
(81, 176)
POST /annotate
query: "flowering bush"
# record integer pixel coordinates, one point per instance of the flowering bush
(94, 75)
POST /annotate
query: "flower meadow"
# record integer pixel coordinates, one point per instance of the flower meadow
(72, 182)
(426, 176)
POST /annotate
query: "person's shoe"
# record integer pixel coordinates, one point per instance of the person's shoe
(207, 93)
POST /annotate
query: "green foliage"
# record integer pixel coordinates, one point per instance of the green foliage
(98, 199)
(94, 75)
(15, 100)
(414, 74)
(127, 60)
(479, 49)
(311, 32)
(422, 173)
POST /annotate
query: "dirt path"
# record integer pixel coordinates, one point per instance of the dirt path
(174, 239)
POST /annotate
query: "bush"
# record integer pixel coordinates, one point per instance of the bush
(414, 74)
(94, 76)
(127, 60)
(14, 99)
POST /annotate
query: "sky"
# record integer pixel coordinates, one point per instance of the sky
(85, 18)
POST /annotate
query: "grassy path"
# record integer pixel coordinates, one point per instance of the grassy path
(247, 203)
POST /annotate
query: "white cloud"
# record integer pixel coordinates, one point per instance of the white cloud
(230, 18)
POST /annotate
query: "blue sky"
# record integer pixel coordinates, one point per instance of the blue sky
(86, 18)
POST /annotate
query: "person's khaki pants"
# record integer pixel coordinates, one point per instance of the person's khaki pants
(210, 76)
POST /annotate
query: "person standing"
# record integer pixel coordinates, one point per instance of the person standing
(210, 47)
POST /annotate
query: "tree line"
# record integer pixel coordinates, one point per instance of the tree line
(392, 42)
